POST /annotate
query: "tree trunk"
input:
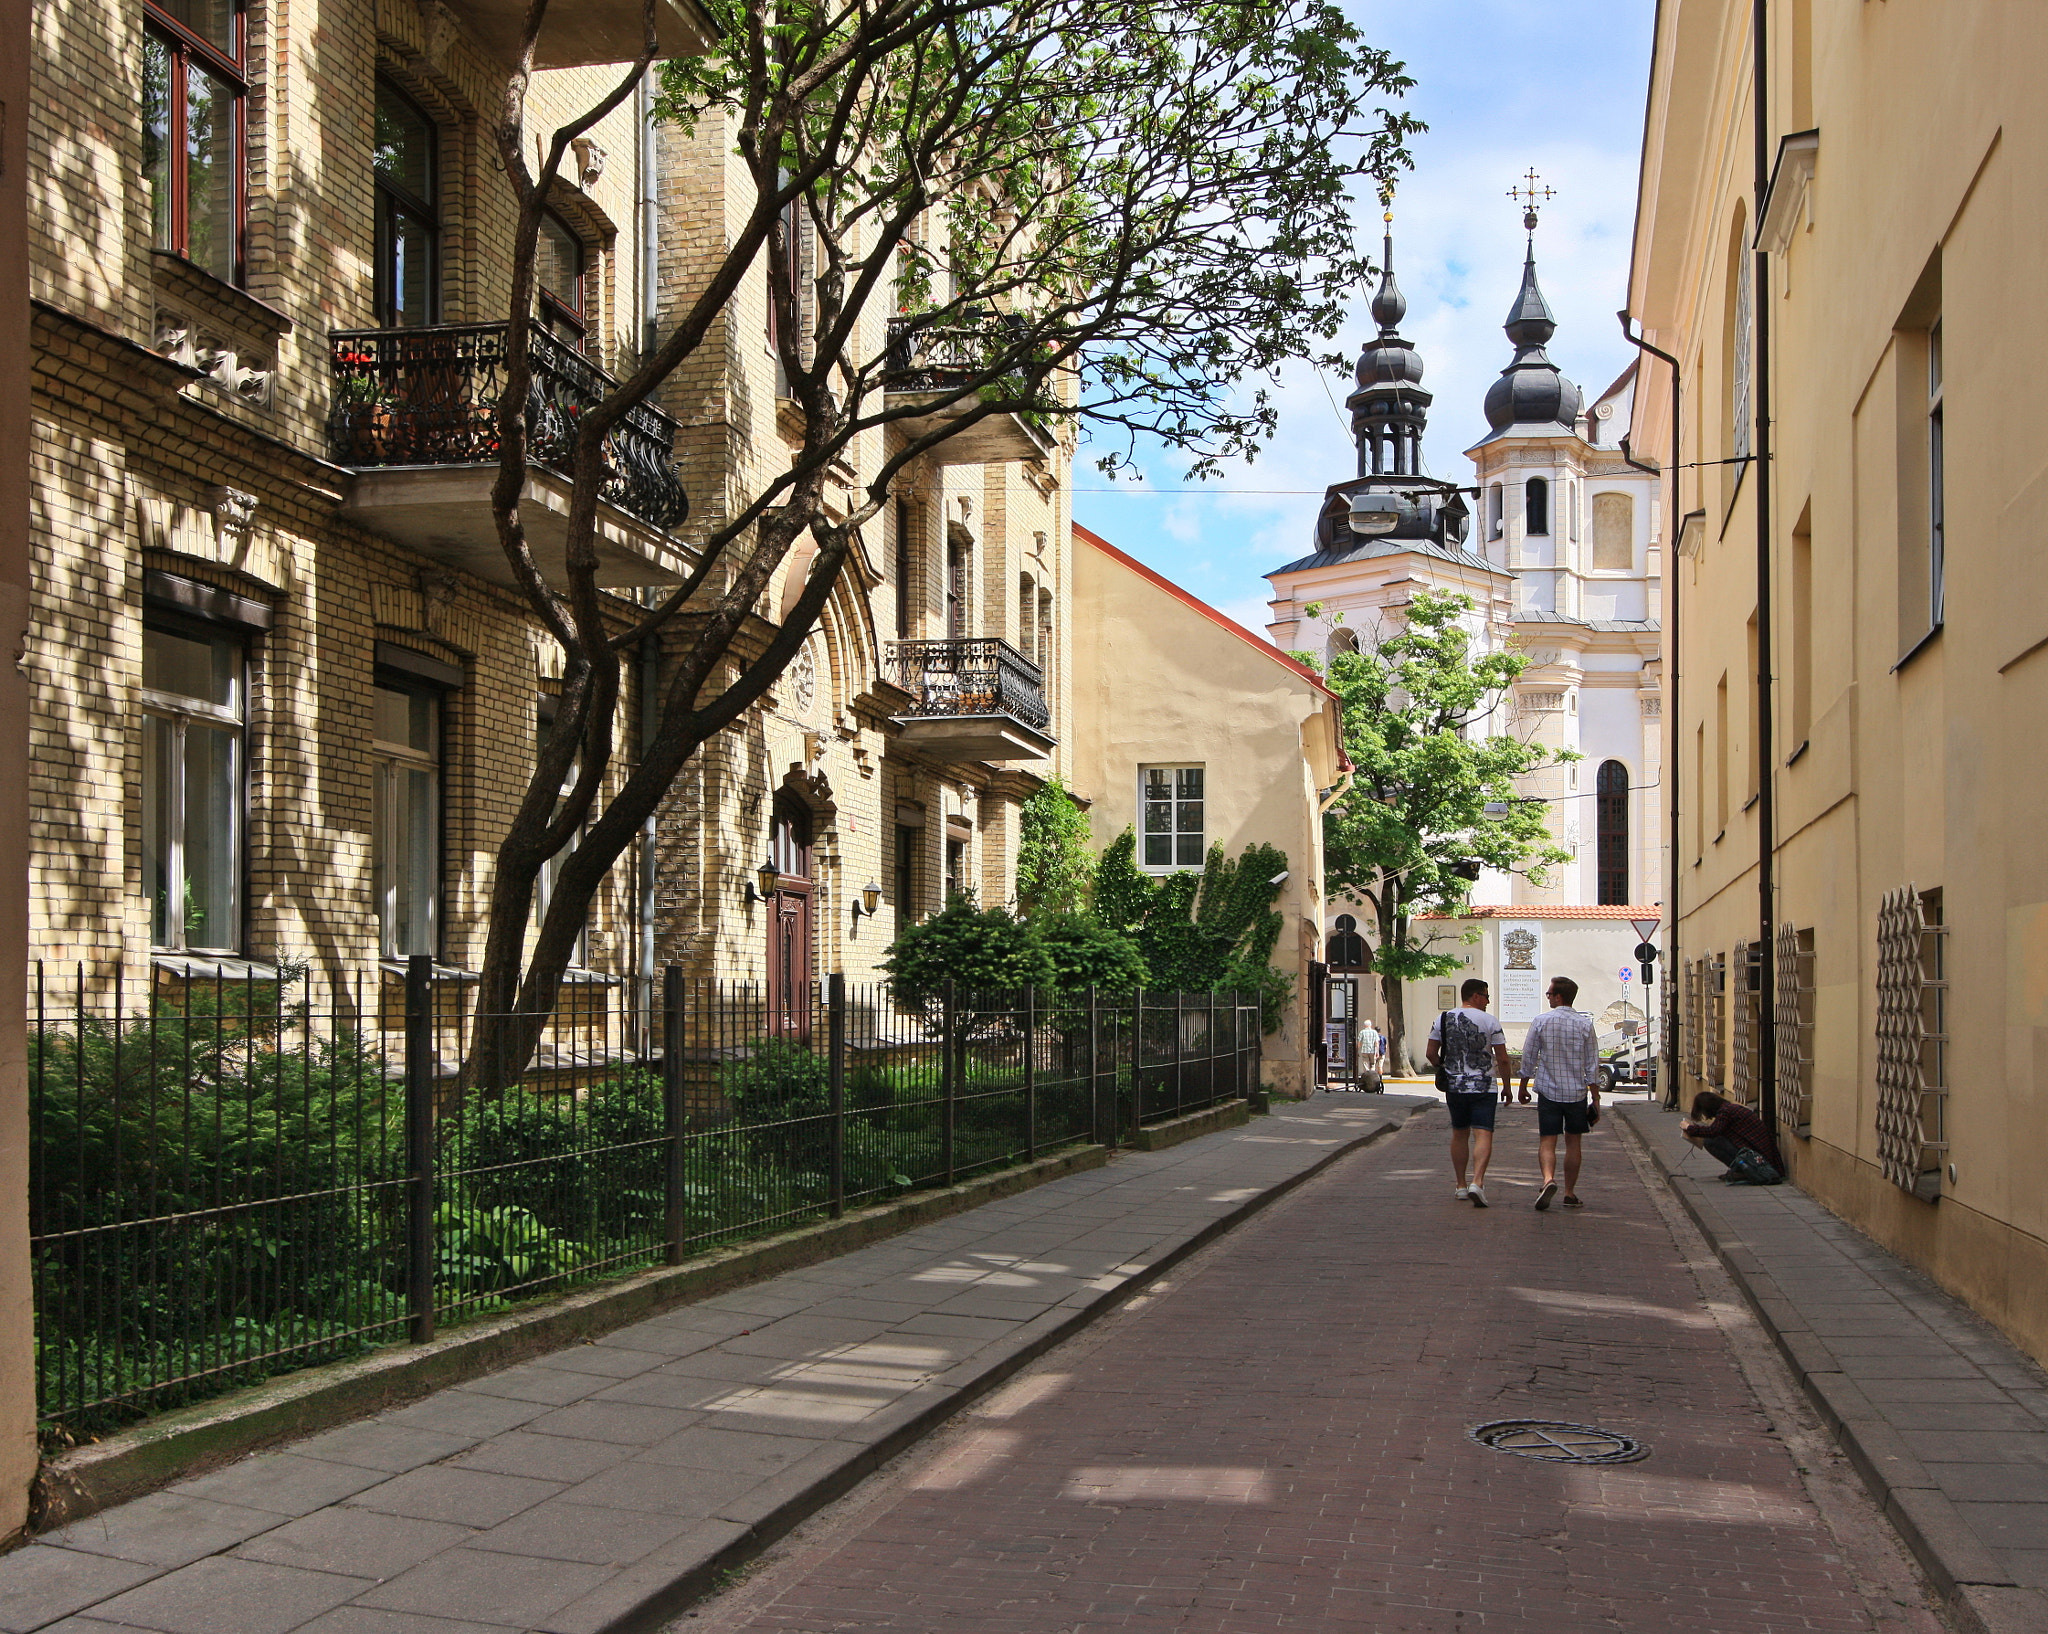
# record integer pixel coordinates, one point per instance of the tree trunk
(1392, 992)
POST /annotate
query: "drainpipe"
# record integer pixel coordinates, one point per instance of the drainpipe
(650, 220)
(1672, 524)
(1766, 811)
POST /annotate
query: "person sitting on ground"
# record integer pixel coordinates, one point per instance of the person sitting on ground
(1723, 1129)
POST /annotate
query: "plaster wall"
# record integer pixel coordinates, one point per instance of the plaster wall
(1905, 755)
(1160, 682)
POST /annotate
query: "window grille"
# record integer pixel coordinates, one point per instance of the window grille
(1746, 1042)
(1912, 1040)
(1695, 1017)
(1716, 1006)
(1794, 1000)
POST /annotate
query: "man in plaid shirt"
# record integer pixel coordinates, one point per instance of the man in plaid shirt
(1562, 1053)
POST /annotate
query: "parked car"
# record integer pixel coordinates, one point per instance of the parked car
(1625, 1063)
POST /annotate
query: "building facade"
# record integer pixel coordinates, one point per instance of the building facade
(1193, 732)
(286, 691)
(1561, 560)
(1861, 933)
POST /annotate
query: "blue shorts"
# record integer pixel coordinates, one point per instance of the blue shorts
(1554, 1118)
(1471, 1111)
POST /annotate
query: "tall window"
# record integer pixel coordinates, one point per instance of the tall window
(1937, 550)
(551, 870)
(194, 711)
(407, 164)
(1614, 533)
(194, 84)
(1173, 816)
(406, 823)
(1027, 617)
(1496, 511)
(956, 867)
(1536, 506)
(903, 558)
(1610, 801)
(906, 874)
(562, 284)
(957, 551)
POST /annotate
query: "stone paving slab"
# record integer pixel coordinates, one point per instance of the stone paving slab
(588, 1490)
(1945, 1419)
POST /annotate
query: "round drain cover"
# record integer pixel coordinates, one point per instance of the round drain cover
(1558, 1443)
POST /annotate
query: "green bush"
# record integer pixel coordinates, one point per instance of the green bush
(1087, 953)
(979, 950)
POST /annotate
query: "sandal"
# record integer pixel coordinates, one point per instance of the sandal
(1573, 1202)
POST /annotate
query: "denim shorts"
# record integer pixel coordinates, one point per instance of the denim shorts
(1471, 1111)
(1555, 1118)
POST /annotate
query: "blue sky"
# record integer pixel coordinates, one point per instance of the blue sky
(1503, 85)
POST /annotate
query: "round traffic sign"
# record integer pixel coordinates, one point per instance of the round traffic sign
(1627, 974)
(1646, 953)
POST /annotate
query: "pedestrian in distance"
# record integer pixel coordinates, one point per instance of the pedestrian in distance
(1738, 1137)
(1562, 1054)
(1372, 1057)
(1466, 1049)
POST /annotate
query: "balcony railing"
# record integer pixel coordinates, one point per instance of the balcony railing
(969, 677)
(925, 355)
(429, 396)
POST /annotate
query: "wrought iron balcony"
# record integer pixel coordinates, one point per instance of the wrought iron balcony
(926, 359)
(429, 396)
(973, 699)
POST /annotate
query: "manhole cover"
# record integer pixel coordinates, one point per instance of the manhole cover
(1558, 1443)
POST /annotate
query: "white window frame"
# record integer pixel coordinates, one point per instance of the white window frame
(544, 884)
(179, 711)
(387, 819)
(1177, 800)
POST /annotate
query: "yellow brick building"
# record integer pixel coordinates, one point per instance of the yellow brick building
(1836, 242)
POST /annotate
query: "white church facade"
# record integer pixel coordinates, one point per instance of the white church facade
(1561, 553)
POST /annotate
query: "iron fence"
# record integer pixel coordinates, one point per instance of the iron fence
(230, 1180)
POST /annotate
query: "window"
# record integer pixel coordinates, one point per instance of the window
(1045, 656)
(407, 164)
(560, 273)
(1800, 720)
(551, 870)
(957, 553)
(903, 558)
(1937, 558)
(193, 89)
(1610, 802)
(906, 874)
(1912, 1040)
(1027, 617)
(192, 736)
(1614, 533)
(956, 867)
(1173, 816)
(1536, 506)
(406, 822)
(1495, 511)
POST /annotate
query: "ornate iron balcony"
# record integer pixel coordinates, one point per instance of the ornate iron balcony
(925, 355)
(429, 396)
(982, 676)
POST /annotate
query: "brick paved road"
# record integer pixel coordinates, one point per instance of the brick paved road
(1276, 1442)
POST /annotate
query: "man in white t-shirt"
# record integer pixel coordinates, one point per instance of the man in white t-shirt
(1562, 1053)
(1371, 1047)
(1470, 1047)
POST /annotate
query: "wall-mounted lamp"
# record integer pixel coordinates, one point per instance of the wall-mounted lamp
(871, 898)
(769, 879)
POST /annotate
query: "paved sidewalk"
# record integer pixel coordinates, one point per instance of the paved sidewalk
(584, 1491)
(1275, 1440)
(1945, 1419)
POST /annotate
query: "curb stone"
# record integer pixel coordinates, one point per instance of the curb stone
(1978, 1588)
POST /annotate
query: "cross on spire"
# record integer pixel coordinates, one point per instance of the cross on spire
(1530, 193)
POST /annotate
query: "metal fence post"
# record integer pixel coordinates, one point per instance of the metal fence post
(949, 1087)
(835, 1059)
(1137, 1063)
(1096, 1131)
(1179, 1048)
(674, 1186)
(1030, 1074)
(419, 1143)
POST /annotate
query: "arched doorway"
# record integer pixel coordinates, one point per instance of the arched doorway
(789, 919)
(1610, 804)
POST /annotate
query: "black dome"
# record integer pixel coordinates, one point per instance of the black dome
(1530, 390)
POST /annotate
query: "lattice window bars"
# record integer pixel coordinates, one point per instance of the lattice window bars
(1716, 1007)
(1695, 983)
(1794, 1002)
(1747, 1040)
(1912, 1040)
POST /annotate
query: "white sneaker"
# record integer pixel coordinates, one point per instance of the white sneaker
(1461, 1194)
(1475, 1197)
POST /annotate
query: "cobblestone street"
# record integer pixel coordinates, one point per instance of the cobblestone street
(1274, 1438)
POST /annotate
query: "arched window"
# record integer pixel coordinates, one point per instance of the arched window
(1610, 802)
(1342, 641)
(1536, 506)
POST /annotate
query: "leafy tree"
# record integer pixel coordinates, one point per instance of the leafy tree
(1087, 953)
(979, 950)
(1433, 797)
(1198, 933)
(1055, 867)
(1109, 211)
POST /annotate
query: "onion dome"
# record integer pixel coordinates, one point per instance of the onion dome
(1389, 407)
(1530, 390)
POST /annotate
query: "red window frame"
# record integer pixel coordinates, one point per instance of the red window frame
(185, 45)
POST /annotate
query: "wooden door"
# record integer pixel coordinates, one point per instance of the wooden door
(790, 972)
